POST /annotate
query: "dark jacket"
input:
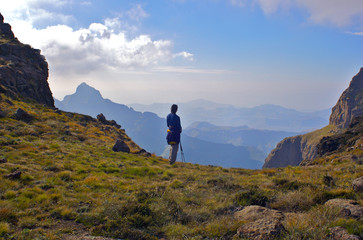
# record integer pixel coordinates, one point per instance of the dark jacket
(174, 128)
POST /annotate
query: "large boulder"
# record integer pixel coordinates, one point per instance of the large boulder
(339, 233)
(262, 223)
(121, 146)
(22, 115)
(347, 207)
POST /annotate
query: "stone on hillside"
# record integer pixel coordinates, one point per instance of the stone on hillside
(101, 118)
(121, 146)
(358, 184)
(143, 152)
(262, 223)
(348, 208)
(14, 175)
(339, 233)
(22, 115)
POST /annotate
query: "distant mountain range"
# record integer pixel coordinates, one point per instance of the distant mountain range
(148, 130)
(264, 140)
(267, 117)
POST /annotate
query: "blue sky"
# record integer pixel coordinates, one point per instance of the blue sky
(295, 53)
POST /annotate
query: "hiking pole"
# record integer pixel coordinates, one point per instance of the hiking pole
(182, 152)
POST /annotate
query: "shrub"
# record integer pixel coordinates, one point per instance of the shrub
(10, 194)
(252, 196)
(353, 226)
(293, 201)
(287, 185)
(325, 195)
(4, 229)
(176, 184)
(313, 224)
(7, 214)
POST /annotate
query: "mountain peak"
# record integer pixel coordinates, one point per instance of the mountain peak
(85, 90)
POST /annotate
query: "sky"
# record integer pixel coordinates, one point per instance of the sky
(298, 54)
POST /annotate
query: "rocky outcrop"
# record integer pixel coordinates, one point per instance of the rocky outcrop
(303, 149)
(22, 115)
(287, 152)
(339, 233)
(347, 207)
(291, 152)
(101, 118)
(121, 146)
(358, 184)
(261, 223)
(349, 139)
(350, 103)
(23, 70)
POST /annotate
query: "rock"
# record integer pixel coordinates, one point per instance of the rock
(339, 233)
(358, 184)
(347, 207)
(14, 175)
(101, 118)
(22, 115)
(121, 146)
(3, 160)
(23, 70)
(262, 223)
(143, 152)
(350, 103)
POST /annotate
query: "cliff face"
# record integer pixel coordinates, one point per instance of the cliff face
(288, 152)
(292, 151)
(23, 71)
(350, 103)
(304, 148)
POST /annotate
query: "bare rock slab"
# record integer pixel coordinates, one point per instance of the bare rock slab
(348, 208)
(262, 223)
(339, 233)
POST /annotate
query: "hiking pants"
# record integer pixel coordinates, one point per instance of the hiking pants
(173, 153)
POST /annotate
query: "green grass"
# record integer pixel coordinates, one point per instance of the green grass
(72, 178)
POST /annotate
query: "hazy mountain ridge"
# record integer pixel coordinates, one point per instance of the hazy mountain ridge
(149, 131)
(264, 140)
(267, 117)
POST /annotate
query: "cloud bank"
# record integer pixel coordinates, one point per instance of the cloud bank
(104, 45)
(338, 13)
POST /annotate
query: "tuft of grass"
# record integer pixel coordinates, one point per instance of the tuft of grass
(4, 229)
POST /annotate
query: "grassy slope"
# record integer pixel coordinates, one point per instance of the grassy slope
(72, 183)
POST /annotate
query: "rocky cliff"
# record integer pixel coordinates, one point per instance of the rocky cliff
(304, 148)
(350, 103)
(23, 70)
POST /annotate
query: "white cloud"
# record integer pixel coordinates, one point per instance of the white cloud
(184, 69)
(356, 33)
(137, 13)
(98, 46)
(185, 55)
(101, 46)
(339, 13)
